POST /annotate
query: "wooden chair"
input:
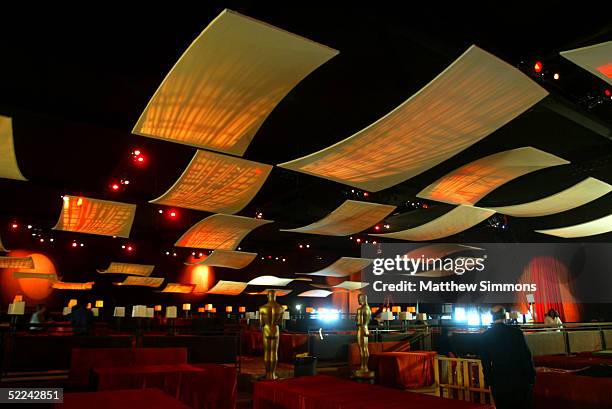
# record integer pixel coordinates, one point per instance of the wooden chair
(462, 379)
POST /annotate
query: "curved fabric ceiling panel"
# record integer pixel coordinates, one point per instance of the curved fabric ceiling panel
(580, 194)
(43, 276)
(596, 59)
(8, 160)
(279, 292)
(178, 288)
(216, 183)
(62, 285)
(142, 270)
(439, 250)
(476, 95)
(457, 220)
(470, 183)
(273, 281)
(141, 281)
(343, 267)
(592, 228)
(16, 262)
(315, 293)
(94, 216)
(227, 259)
(219, 231)
(349, 218)
(228, 288)
(2, 248)
(345, 285)
(227, 82)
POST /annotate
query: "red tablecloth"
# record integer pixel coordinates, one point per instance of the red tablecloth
(562, 389)
(571, 361)
(405, 370)
(289, 344)
(215, 388)
(123, 399)
(165, 377)
(374, 348)
(325, 392)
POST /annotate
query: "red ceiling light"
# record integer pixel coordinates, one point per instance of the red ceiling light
(537, 67)
(74, 244)
(377, 227)
(358, 240)
(115, 187)
(173, 214)
(138, 157)
(129, 248)
(14, 226)
(366, 194)
(607, 92)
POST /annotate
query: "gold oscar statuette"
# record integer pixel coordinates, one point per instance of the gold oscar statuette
(270, 317)
(364, 314)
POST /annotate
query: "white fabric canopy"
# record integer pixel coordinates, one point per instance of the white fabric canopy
(592, 228)
(470, 183)
(227, 259)
(343, 267)
(227, 82)
(457, 220)
(8, 160)
(580, 194)
(476, 95)
(273, 281)
(596, 59)
(228, 288)
(216, 183)
(280, 292)
(315, 293)
(143, 270)
(94, 216)
(351, 217)
(219, 231)
(439, 250)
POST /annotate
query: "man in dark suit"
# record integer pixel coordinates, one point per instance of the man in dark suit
(507, 363)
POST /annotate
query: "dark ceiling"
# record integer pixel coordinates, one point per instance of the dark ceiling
(75, 84)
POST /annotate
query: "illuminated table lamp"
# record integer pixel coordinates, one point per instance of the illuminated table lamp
(95, 311)
(72, 303)
(387, 316)
(201, 310)
(150, 312)
(374, 309)
(171, 315)
(213, 310)
(157, 309)
(186, 308)
(208, 307)
(228, 310)
(411, 310)
(99, 304)
(119, 312)
(396, 309)
(17, 298)
(66, 311)
(241, 311)
(139, 311)
(88, 306)
(15, 310)
(309, 310)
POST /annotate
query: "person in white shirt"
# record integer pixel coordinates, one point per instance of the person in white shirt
(552, 319)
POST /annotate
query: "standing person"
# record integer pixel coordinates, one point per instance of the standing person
(552, 319)
(38, 317)
(81, 319)
(507, 363)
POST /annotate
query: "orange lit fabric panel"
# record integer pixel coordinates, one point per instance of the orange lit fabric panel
(44, 276)
(592, 228)
(351, 217)
(142, 281)
(457, 220)
(227, 82)
(143, 270)
(438, 250)
(279, 292)
(94, 216)
(315, 293)
(343, 267)
(596, 59)
(219, 231)
(581, 193)
(178, 288)
(62, 285)
(228, 259)
(216, 183)
(16, 262)
(470, 183)
(228, 288)
(476, 95)
(8, 160)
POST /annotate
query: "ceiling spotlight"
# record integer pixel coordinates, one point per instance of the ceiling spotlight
(284, 259)
(167, 253)
(51, 239)
(129, 248)
(301, 246)
(160, 211)
(136, 152)
(358, 240)
(115, 186)
(29, 226)
(556, 75)
(172, 214)
(14, 225)
(123, 246)
(377, 227)
(537, 67)
(607, 92)
(41, 240)
(125, 182)
(174, 254)
(308, 246)
(193, 253)
(366, 194)
(74, 244)
(200, 254)
(82, 244)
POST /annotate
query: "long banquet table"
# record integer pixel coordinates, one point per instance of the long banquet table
(563, 389)
(326, 392)
(122, 399)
